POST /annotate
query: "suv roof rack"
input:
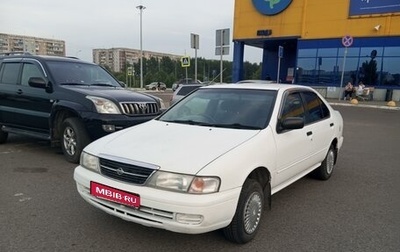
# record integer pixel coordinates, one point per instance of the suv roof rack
(14, 53)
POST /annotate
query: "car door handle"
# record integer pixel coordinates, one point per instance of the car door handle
(331, 124)
(19, 91)
(309, 133)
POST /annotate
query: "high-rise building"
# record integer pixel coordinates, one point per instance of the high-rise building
(118, 58)
(32, 45)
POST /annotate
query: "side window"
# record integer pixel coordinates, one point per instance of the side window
(30, 70)
(317, 110)
(292, 106)
(9, 73)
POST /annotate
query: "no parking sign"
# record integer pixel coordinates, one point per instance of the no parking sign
(347, 40)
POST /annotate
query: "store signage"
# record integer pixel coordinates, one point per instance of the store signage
(368, 7)
(264, 32)
(271, 7)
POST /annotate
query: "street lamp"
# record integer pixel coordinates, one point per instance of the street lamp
(141, 8)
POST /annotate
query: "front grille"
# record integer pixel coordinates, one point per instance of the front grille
(125, 172)
(139, 108)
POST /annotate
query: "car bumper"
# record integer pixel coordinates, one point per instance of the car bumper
(99, 125)
(177, 212)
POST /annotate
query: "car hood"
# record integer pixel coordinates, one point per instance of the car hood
(173, 147)
(112, 93)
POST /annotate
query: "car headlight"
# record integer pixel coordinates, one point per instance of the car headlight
(184, 183)
(89, 162)
(162, 105)
(104, 106)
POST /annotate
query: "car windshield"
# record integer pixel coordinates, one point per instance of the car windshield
(77, 73)
(224, 107)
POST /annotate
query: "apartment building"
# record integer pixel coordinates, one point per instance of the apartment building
(32, 45)
(118, 58)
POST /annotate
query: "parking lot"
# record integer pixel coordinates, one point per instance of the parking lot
(356, 210)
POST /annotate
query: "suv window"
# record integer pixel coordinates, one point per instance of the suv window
(28, 71)
(9, 73)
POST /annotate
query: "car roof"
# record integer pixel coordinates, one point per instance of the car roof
(260, 85)
(45, 58)
(257, 81)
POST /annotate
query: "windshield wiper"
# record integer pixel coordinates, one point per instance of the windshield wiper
(102, 85)
(231, 125)
(190, 122)
(236, 126)
(74, 84)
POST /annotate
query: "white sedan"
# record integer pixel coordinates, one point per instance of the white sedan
(221, 152)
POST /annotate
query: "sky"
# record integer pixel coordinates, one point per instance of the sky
(92, 24)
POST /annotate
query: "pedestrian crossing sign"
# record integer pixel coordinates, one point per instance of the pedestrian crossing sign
(185, 61)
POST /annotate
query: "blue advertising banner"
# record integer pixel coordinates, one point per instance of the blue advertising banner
(368, 7)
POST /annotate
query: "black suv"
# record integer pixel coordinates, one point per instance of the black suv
(67, 101)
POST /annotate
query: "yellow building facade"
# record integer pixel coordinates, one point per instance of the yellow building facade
(321, 42)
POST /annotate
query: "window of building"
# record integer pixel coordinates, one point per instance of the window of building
(307, 53)
(390, 71)
(375, 66)
(392, 51)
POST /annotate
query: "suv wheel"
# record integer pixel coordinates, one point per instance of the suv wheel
(246, 220)
(73, 139)
(3, 136)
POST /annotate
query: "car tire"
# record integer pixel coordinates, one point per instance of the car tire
(246, 221)
(73, 139)
(3, 136)
(325, 171)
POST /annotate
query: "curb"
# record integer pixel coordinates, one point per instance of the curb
(363, 106)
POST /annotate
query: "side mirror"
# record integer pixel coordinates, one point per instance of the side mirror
(290, 123)
(122, 84)
(37, 82)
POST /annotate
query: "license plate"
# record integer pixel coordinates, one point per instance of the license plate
(115, 195)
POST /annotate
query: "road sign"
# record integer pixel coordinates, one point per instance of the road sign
(280, 52)
(130, 70)
(194, 41)
(185, 61)
(347, 41)
(222, 37)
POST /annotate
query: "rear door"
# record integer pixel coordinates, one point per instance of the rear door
(320, 123)
(9, 77)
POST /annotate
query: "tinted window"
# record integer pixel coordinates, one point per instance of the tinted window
(29, 71)
(80, 73)
(9, 73)
(317, 110)
(292, 106)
